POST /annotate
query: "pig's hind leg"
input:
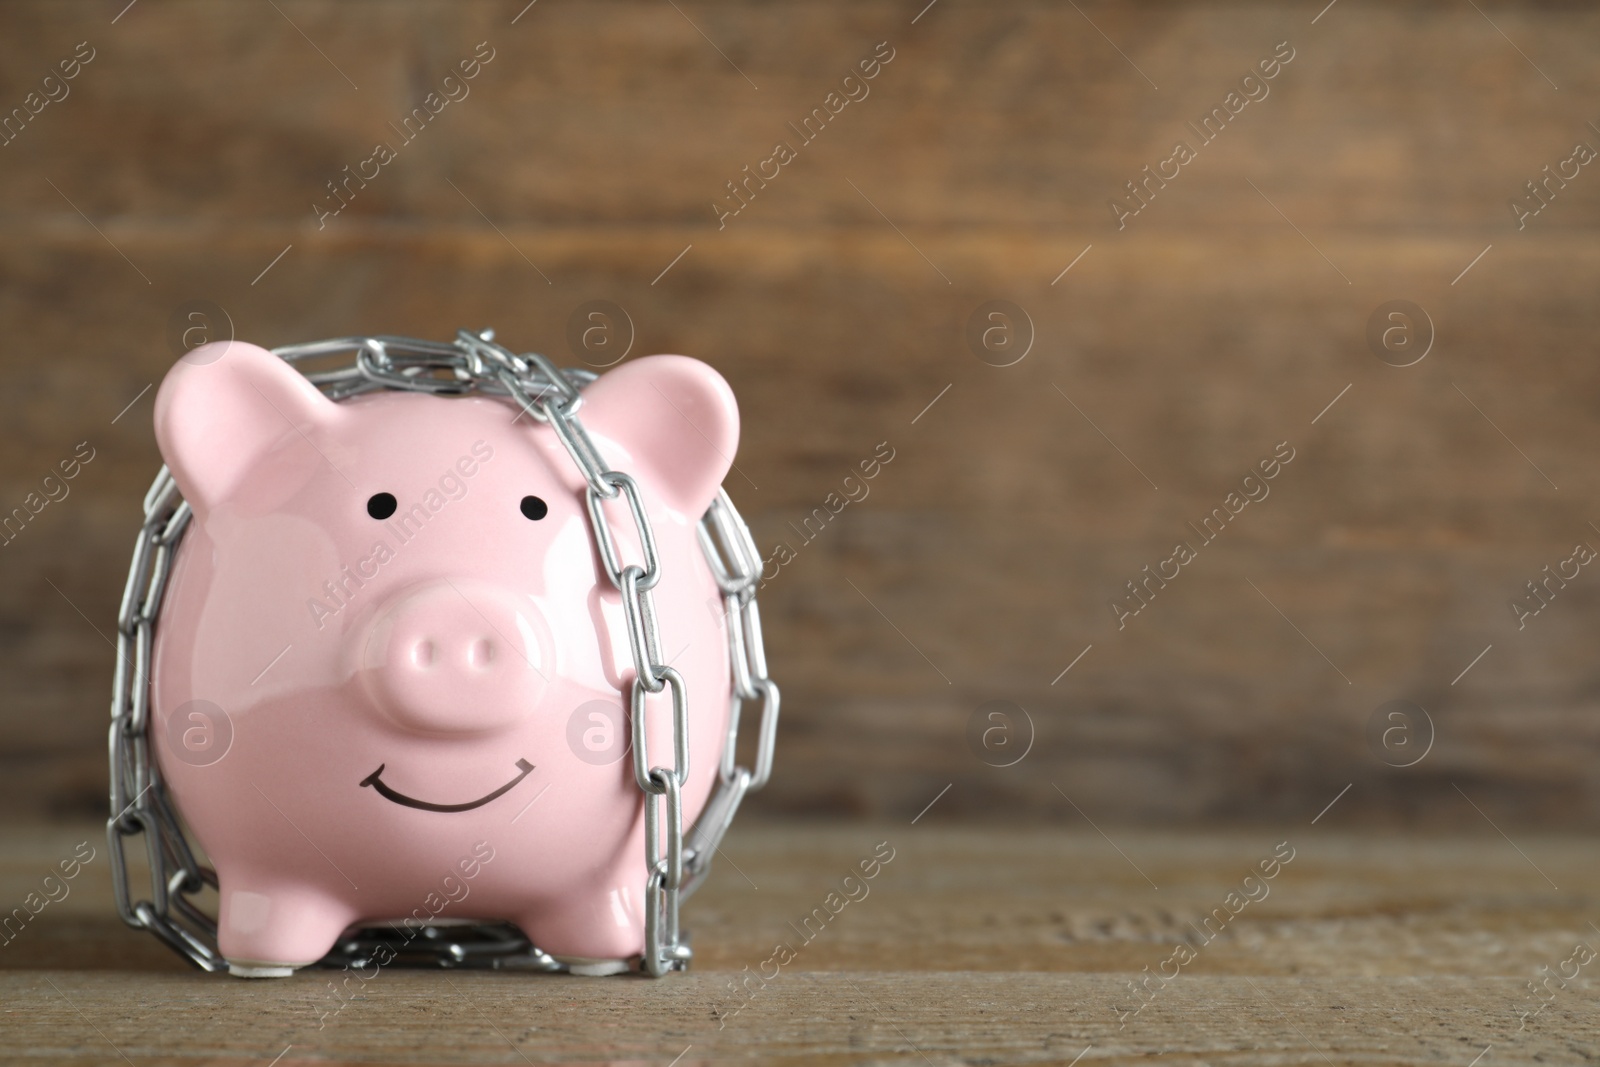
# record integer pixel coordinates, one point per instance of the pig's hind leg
(267, 929)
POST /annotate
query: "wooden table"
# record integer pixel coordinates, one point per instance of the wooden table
(973, 945)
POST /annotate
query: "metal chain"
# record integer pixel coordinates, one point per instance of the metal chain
(472, 363)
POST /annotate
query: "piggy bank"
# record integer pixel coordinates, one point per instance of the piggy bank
(389, 682)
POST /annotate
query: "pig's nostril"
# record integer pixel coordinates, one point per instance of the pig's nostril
(422, 653)
(480, 652)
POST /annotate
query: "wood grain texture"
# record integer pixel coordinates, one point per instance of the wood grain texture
(1176, 353)
(992, 946)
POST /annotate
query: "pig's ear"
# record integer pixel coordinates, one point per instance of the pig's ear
(222, 408)
(678, 420)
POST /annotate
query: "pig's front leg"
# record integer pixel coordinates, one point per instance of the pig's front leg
(594, 930)
(265, 929)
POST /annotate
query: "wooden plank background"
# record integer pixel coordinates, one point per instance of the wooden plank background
(1220, 322)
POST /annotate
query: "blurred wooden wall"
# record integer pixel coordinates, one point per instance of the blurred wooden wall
(1172, 357)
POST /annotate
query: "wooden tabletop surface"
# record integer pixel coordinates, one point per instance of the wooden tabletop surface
(972, 945)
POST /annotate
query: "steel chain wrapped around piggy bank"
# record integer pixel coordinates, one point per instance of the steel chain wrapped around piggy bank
(390, 636)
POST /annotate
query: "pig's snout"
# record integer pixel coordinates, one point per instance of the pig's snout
(457, 656)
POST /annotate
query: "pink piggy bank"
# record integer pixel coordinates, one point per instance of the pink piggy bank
(389, 683)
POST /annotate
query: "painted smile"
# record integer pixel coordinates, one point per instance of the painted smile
(376, 782)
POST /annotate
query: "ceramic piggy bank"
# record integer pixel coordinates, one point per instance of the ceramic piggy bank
(390, 678)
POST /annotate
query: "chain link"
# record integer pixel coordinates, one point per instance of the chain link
(676, 862)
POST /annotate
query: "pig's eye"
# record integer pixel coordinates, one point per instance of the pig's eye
(381, 505)
(534, 508)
